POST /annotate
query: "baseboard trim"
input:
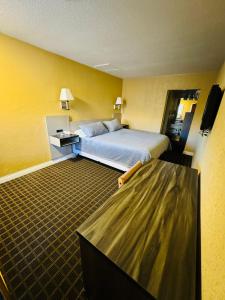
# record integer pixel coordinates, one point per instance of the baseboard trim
(188, 153)
(35, 168)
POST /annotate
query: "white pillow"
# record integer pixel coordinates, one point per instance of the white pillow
(80, 133)
(113, 125)
(93, 129)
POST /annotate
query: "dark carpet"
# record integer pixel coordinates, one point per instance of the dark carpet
(39, 215)
(177, 158)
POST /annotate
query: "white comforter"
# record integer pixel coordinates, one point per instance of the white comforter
(124, 146)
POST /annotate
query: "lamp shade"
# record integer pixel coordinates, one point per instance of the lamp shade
(66, 95)
(119, 101)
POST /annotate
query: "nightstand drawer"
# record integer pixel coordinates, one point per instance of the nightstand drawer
(63, 140)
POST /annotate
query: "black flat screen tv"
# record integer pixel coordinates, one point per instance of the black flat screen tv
(211, 108)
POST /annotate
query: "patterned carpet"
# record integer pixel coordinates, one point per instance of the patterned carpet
(39, 214)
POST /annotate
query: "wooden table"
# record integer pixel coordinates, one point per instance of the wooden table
(142, 243)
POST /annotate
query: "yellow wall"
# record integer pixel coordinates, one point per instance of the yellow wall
(30, 82)
(187, 106)
(146, 98)
(210, 158)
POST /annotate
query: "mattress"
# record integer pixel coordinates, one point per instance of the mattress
(124, 147)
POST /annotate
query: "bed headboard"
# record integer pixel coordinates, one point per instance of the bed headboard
(74, 125)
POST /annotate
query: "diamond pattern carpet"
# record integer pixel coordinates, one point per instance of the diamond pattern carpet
(39, 214)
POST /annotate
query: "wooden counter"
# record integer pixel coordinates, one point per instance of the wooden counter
(146, 234)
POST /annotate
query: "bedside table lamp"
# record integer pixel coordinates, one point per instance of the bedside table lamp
(118, 103)
(65, 97)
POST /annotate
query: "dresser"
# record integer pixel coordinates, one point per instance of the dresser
(143, 242)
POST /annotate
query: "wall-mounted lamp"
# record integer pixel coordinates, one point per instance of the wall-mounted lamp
(65, 97)
(119, 102)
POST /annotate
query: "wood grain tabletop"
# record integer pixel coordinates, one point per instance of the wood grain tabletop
(148, 229)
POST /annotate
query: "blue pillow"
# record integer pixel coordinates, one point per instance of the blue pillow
(113, 125)
(93, 129)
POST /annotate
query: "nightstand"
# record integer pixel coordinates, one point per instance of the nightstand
(126, 126)
(62, 139)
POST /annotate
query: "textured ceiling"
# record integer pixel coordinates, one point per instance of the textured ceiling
(137, 37)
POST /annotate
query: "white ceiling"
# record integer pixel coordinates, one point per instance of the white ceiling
(137, 37)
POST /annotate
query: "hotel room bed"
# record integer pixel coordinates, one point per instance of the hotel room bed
(122, 148)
